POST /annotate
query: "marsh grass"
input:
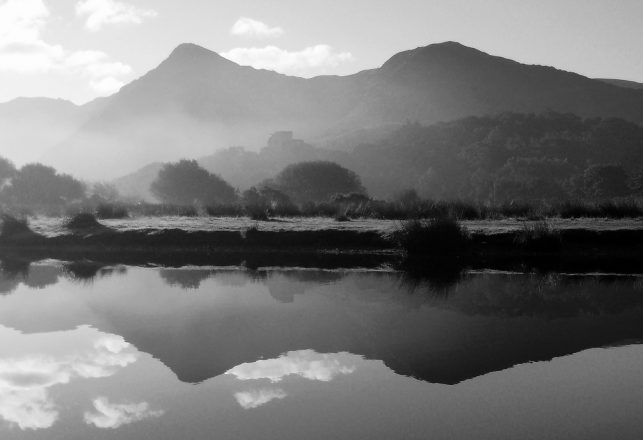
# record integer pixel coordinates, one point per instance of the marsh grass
(538, 237)
(437, 236)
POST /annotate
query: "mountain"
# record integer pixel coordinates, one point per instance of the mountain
(196, 102)
(622, 83)
(31, 126)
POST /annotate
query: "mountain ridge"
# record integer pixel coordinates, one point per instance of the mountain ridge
(196, 102)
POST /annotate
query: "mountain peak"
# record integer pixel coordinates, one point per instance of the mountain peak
(189, 57)
(188, 53)
(190, 50)
(449, 56)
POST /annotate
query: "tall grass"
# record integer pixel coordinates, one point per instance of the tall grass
(376, 209)
(437, 237)
(538, 237)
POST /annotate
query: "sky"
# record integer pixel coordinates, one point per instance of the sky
(81, 49)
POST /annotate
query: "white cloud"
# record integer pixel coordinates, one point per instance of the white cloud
(248, 27)
(25, 380)
(312, 60)
(114, 415)
(24, 51)
(256, 398)
(101, 12)
(21, 48)
(106, 86)
(304, 363)
(20, 21)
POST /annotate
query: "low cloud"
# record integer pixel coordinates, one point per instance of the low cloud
(256, 398)
(310, 61)
(109, 415)
(250, 28)
(304, 363)
(98, 13)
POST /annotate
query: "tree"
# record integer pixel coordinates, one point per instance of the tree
(40, 185)
(186, 183)
(104, 192)
(316, 181)
(7, 171)
(605, 181)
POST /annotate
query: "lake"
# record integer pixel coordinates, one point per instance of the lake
(125, 352)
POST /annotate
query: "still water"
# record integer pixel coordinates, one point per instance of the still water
(91, 352)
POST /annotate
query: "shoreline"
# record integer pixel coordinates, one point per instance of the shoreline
(577, 251)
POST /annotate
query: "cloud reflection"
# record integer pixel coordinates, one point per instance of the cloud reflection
(25, 380)
(256, 398)
(114, 415)
(304, 363)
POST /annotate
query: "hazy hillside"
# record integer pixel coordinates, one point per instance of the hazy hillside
(197, 102)
(623, 83)
(506, 157)
(236, 165)
(31, 126)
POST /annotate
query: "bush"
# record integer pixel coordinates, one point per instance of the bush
(438, 236)
(82, 221)
(12, 226)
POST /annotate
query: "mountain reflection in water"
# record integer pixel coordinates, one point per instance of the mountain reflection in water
(98, 350)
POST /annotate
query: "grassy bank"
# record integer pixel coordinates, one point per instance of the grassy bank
(375, 209)
(444, 237)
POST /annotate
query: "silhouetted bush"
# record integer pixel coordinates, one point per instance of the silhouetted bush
(186, 183)
(38, 185)
(82, 221)
(315, 181)
(12, 227)
(438, 236)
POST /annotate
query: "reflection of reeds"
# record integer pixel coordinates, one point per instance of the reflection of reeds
(538, 237)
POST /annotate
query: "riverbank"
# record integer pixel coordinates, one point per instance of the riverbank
(573, 250)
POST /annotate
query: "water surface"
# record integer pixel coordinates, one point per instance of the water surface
(198, 353)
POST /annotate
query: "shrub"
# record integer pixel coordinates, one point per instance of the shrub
(12, 226)
(438, 236)
(82, 221)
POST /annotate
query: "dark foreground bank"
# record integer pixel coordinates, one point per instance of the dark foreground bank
(440, 244)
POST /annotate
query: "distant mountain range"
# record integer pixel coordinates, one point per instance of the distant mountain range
(196, 102)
